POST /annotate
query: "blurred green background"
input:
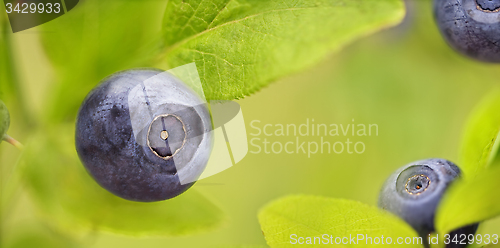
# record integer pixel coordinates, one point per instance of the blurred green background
(404, 79)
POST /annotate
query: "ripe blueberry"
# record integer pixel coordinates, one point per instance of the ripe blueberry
(140, 132)
(4, 120)
(413, 193)
(472, 27)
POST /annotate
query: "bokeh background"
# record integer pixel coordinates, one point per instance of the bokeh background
(404, 79)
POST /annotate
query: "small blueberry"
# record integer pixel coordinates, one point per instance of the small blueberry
(414, 191)
(471, 27)
(139, 131)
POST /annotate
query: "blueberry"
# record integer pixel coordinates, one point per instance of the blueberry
(413, 193)
(144, 135)
(460, 233)
(472, 27)
(4, 120)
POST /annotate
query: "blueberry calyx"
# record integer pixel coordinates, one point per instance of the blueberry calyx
(488, 5)
(417, 184)
(417, 180)
(166, 135)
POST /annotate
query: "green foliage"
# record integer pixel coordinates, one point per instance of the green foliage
(312, 216)
(477, 191)
(242, 46)
(94, 40)
(470, 201)
(4, 119)
(245, 46)
(480, 142)
(238, 46)
(67, 195)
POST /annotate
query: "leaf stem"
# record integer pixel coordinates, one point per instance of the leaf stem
(13, 142)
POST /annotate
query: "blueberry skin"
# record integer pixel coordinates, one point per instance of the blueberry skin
(471, 27)
(4, 120)
(471, 229)
(414, 191)
(143, 164)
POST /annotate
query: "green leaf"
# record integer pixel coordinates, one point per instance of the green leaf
(474, 198)
(470, 201)
(313, 216)
(95, 40)
(480, 141)
(68, 196)
(242, 46)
